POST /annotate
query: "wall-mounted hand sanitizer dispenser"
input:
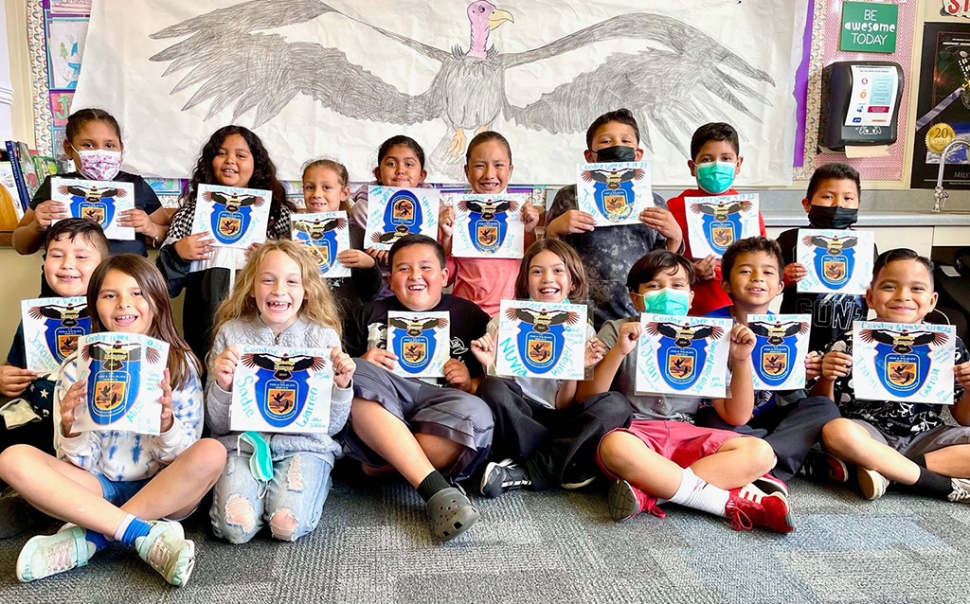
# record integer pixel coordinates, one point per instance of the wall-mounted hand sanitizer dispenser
(860, 103)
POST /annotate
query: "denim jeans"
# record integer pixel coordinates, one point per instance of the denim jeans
(291, 504)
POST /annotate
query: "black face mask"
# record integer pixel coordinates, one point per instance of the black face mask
(832, 217)
(613, 155)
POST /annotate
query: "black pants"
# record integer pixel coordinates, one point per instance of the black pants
(791, 430)
(557, 446)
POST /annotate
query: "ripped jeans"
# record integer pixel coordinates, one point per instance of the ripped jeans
(291, 504)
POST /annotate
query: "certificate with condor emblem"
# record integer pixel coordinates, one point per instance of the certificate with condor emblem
(393, 212)
(488, 226)
(421, 341)
(838, 262)
(714, 223)
(541, 340)
(279, 389)
(52, 327)
(326, 234)
(614, 193)
(683, 355)
(124, 375)
(235, 217)
(901, 362)
(97, 200)
(780, 349)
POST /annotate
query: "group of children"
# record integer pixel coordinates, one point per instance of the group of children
(730, 457)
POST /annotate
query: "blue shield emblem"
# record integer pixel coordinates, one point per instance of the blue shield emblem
(281, 385)
(902, 374)
(540, 352)
(680, 366)
(63, 326)
(113, 381)
(402, 215)
(773, 362)
(487, 222)
(229, 227)
(834, 270)
(721, 234)
(99, 212)
(614, 203)
(414, 353)
(94, 203)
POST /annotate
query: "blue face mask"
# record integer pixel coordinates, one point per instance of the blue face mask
(715, 177)
(666, 301)
(261, 461)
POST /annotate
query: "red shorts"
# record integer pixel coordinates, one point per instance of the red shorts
(680, 442)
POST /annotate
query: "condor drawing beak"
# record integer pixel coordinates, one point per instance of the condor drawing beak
(499, 17)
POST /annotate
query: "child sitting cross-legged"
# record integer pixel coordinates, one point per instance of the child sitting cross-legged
(662, 456)
(906, 443)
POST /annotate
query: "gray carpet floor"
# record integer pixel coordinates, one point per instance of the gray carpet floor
(374, 546)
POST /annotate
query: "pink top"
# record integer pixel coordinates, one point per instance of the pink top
(484, 281)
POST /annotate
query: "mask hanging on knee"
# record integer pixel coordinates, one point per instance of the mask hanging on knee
(261, 460)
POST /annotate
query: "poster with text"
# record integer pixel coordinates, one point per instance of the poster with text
(489, 226)
(279, 389)
(234, 216)
(686, 356)
(714, 223)
(326, 234)
(614, 193)
(838, 262)
(541, 340)
(394, 212)
(52, 328)
(421, 341)
(781, 345)
(100, 201)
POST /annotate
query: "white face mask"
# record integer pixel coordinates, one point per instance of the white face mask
(98, 164)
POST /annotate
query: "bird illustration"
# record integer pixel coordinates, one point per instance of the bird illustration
(614, 177)
(721, 210)
(487, 236)
(681, 367)
(283, 367)
(391, 236)
(92, 213)
(413, 352)
(540, 352)
(684, 334)
(834, 271)
(282, 402)
(902, 375)
(414, 327)
(229, 226)
(774, 364)
(722, 237)
(316, 229)
(903, 342)
(833, 245)
(67, 314)
(488, 209)
(542, 319)
(234, 202)
(92, 194)
(669, 81)
(777, 332)
(68, 344)
(114, 356)
(108, 397)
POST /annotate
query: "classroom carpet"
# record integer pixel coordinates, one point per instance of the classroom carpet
(374, 546)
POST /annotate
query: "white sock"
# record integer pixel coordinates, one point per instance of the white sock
(120, 531)
(697, 494)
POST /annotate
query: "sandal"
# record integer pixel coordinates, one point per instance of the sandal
(451, 513)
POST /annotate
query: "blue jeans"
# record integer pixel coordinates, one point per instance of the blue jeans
(291, 504)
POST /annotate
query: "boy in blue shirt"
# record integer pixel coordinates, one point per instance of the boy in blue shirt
(789, 421)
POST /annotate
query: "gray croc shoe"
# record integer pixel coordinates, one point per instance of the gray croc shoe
(451, 513)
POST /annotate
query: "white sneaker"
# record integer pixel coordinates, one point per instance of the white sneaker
(46, 555)
(168, 551)
(872, 484)
(961, 490)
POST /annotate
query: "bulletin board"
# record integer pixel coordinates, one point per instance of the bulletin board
(56, 31)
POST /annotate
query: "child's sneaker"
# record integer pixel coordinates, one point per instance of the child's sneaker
(168, 551)
(46, 555)
(750, 507)
(451, 513)
(872, 484)
(824, 467)
(768, 484)
(626, 501)
(503, 476)
(961, 490)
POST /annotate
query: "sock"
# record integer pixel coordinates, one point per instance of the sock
(130, 529)
(431, 484)
(96, 542)
(697, 494)
(929, 484)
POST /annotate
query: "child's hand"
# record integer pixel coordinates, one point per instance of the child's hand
(962, 374)
(195, 247)
(836, 365)
(252, 250)
(571, 222)
(378, 255)
(742, 343)
(628, 337)
(661, 221)
(355, 259)
(343, 367)
(530, 216)
(484, 350)
(224, 366)
(813, 365)
(168, 418)
(138, 220)
(446, 221)
(381, 358)
(49, 211)
(14, 380)
(595, 350)
(76, 396)
(794, 273)
(457, 375)
(704, 269)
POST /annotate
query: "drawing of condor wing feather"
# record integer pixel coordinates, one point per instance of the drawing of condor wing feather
(303, 362)
(526, 315)
(882, 336)
(663, 329)
(703, 208)
(597, 175)
(470, 205)
(113, 193)
(569, 317)
(99, 351)
(632, 174)
(760, 329)
(52, 311)
(76, 191)
(796, 328)
(266, 361)
(707, 331)
(741, 206)
(434, 324)
(399, 323)
(664, 91)
(929, 337)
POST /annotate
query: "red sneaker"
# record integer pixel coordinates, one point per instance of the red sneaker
(626, 501)
(750, 507)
